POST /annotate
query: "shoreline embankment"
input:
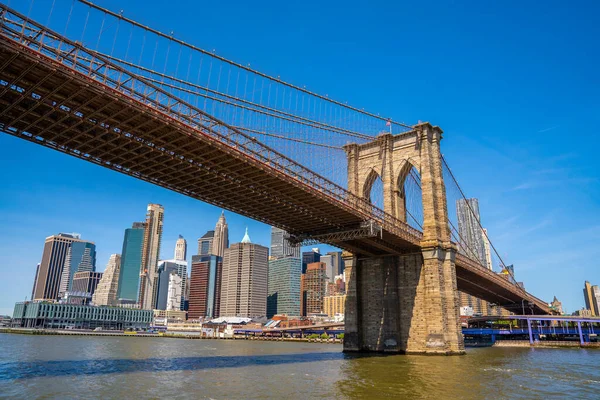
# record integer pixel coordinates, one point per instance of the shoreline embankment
(173, 335)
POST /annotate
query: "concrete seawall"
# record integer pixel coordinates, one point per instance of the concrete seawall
(548, 344)
(173, 335)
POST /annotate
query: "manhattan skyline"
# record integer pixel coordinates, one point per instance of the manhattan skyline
(537, 186)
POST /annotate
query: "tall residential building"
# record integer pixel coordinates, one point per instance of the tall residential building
(315, 281)
(205, 287)
(81, 257)
(86, 282)
(150, 254)
(221, 238)
(175, 296)
(106, 291)
(284, 286)
(469, 229)
(180, 249)
(205, 243)
(591, 295)
(50, 272)
(309, 257)
(334, 304)
(472, 244)
(244, 282)
(131, 263)
(165, 268)
(487, 251)
(280, 246)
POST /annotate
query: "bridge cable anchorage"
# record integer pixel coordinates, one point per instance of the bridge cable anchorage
(241, 66)
(479, 222)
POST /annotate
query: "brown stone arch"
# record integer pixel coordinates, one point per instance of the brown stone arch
(368, 183)
(406, 165)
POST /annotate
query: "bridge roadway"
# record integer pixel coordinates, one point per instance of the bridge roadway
(71, 100)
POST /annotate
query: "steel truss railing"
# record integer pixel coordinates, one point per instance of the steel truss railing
(15, 26)
(367, 229)
(466, 261)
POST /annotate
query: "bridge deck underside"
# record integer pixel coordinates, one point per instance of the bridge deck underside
(75, 114)
(80, 116)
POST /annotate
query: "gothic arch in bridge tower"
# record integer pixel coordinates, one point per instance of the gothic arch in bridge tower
(400, 195)
(406, 302)
(391, 158)
(372, 190)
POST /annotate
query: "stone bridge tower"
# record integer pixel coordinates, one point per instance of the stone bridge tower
(405, 303)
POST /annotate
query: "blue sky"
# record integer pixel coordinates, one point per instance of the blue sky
(515, 86)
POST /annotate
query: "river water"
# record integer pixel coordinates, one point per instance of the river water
(122, 367)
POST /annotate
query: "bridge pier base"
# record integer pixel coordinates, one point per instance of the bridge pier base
(404, 304)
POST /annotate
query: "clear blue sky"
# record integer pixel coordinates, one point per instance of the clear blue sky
(514, 85)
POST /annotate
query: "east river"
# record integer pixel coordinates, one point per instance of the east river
(67, 367)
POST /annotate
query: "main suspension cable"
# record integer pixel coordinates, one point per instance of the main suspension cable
(294, 118)
(237, 65)
(479, 222)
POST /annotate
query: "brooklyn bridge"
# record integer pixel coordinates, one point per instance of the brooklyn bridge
(99, 86)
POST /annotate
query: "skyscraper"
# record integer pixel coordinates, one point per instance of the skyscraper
(221, 238)
(106, 291)
(591, 295)
(180, 249)
(175, 294)
(86, 282)
(37, 271)
(150, 254)
(280, 246)
(162, 294)
(131, 263)
(329, 267)
(472, 244)
(81, 257)
(165, 268)
(487, 251)
(50, 272)
(309, 257)
(285, 270)
(315, 281)
(469, 229)
(596, 298)
(205, 243)
(284, 286)
(205, 287)
(338, 262)
(244, 283)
